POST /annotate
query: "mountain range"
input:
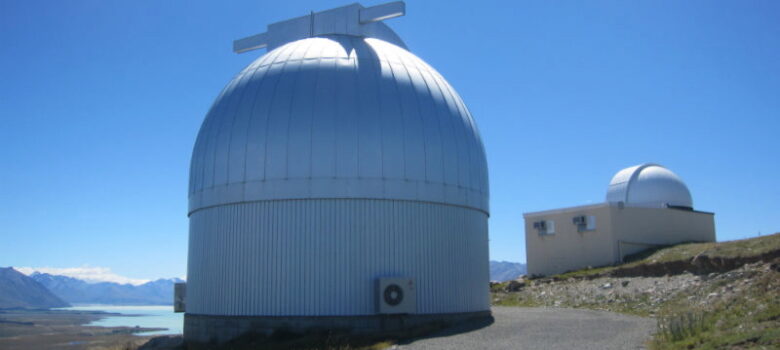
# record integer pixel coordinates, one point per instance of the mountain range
(501, 271)
(19, 291)
(43, 290)
(76, 291)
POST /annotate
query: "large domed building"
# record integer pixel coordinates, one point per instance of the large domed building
(338, 181)
(647, 206)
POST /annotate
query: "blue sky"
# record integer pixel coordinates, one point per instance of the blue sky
(100, 103)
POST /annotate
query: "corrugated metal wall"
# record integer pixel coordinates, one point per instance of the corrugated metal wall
(321, 256)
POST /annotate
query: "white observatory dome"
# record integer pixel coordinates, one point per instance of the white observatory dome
(338, 116)
(649, 185)
(334, 162)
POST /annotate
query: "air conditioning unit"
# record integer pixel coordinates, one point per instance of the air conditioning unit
(585, 222)
(396, 296)
(540, 225)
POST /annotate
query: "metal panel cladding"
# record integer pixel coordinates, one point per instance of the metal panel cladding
(325, 164)
(321, 257)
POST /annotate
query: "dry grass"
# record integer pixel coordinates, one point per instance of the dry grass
(687, 253)
(737, 307)
(744, 314)
(743, 248)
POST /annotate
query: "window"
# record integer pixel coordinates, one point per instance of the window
(591, 224)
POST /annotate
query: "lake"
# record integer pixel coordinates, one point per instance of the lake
(154, 316)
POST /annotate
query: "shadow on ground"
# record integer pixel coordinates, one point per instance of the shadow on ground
(465, 327)
(327, 340)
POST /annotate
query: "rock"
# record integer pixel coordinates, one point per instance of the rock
(624, 283)
(712, 295)
(606, 286)
(514, 286)
(775, 267)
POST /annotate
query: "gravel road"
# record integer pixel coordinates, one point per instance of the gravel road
(544, 328)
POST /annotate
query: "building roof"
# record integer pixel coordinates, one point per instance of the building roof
(649, 185)
(577, 208)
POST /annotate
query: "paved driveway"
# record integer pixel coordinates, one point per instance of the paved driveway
(544, 328)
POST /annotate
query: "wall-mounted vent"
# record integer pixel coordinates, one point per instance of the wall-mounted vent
(396, 296)
(545, 227)
(584, 222)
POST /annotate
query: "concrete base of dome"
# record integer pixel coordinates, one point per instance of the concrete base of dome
(208, 330)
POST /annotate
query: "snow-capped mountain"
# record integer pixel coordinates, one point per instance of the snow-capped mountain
(76, 291)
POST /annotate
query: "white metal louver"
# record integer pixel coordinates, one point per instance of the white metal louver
(396, 296)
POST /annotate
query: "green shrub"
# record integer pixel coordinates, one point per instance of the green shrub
(680, 326)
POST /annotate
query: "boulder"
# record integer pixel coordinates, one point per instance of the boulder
(514, 286)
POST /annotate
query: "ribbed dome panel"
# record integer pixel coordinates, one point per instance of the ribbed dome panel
(339, 117)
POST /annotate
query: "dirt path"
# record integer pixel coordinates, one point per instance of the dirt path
(520, 328)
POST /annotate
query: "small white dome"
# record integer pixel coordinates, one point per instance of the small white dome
(649, 185)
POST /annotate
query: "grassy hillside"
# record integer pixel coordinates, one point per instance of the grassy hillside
(704, 295)
(699, 258)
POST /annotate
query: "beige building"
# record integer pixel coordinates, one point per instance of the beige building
(647, 206)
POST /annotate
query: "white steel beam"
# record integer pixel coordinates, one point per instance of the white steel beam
(382, 12)
(250, 43)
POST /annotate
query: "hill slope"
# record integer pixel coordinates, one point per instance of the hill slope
(20, 291)
(704, 295)
(73, 290)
